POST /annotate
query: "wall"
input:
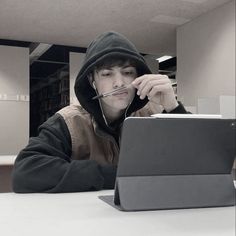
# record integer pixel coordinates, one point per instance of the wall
(206, 57)
(152, 63)
(14, 115)
(76, 60)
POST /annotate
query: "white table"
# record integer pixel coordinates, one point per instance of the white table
(84, 214)
(7, 159)
(6, 165)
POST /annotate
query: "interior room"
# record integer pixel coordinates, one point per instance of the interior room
(41, 55)
(43, 45)
(43, 51)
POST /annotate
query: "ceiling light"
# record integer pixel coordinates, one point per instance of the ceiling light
(171, 20)
(37, 50)
(163, 58)
(196, 1)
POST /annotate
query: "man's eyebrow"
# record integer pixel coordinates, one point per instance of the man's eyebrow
(111, 67)
(106, 68)
(125, 66)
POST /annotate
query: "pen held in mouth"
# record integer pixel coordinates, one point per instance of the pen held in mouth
(115, 91)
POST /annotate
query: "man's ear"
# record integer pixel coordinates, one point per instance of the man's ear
(93, 84)
(91, 81)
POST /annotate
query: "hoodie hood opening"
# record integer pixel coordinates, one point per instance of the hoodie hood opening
(105, 46)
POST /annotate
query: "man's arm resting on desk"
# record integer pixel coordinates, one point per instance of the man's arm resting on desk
(45, 164)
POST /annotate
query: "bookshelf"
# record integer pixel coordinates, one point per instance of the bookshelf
(47, 97)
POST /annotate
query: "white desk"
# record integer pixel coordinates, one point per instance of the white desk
(7, 159)
(6, 165)
(84, 214)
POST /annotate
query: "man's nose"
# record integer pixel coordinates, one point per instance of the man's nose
(118, 80)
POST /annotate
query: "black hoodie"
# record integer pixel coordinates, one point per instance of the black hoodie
(45, 164)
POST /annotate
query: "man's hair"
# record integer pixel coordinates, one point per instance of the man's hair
(111, 61)
(114, 61)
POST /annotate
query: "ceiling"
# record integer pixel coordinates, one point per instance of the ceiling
(71, 25)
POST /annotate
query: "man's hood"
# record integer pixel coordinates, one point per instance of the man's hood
(106, 45)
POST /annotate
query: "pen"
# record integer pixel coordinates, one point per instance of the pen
(115, 91)
(111, 92)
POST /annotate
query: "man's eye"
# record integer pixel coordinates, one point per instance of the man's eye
(106, 74)
(129, 72)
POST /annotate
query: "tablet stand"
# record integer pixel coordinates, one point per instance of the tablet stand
(174, 191)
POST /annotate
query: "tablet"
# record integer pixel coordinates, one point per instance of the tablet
(175, 163)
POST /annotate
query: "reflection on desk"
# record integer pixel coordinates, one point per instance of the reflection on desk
(84, 214)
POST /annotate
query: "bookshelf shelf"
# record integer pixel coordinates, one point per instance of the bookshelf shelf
(46, 98)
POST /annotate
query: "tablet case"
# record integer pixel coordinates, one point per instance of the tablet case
(175, 163)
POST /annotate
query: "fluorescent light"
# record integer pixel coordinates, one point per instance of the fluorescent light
(38, 51)
(171, 20)
(163, 58)
(196, 1)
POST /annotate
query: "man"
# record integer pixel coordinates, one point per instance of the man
(77, 149)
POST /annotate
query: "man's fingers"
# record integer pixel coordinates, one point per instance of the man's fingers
(158, 89)
(146, 89)
(139, 79)
(153, 85)
(146, 83)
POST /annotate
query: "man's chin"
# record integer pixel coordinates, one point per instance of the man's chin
(122, 106)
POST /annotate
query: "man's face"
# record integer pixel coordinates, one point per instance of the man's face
(110, 78)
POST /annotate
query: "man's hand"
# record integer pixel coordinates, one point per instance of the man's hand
(158, 89)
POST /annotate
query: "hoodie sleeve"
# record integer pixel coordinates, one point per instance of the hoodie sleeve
(44, 165)
(178, 110)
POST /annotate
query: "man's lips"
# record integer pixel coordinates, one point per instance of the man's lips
(122, 93)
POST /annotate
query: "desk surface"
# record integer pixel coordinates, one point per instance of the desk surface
(7, 159)
(85, 214)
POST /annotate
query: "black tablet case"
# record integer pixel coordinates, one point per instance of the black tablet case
(175, 163)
